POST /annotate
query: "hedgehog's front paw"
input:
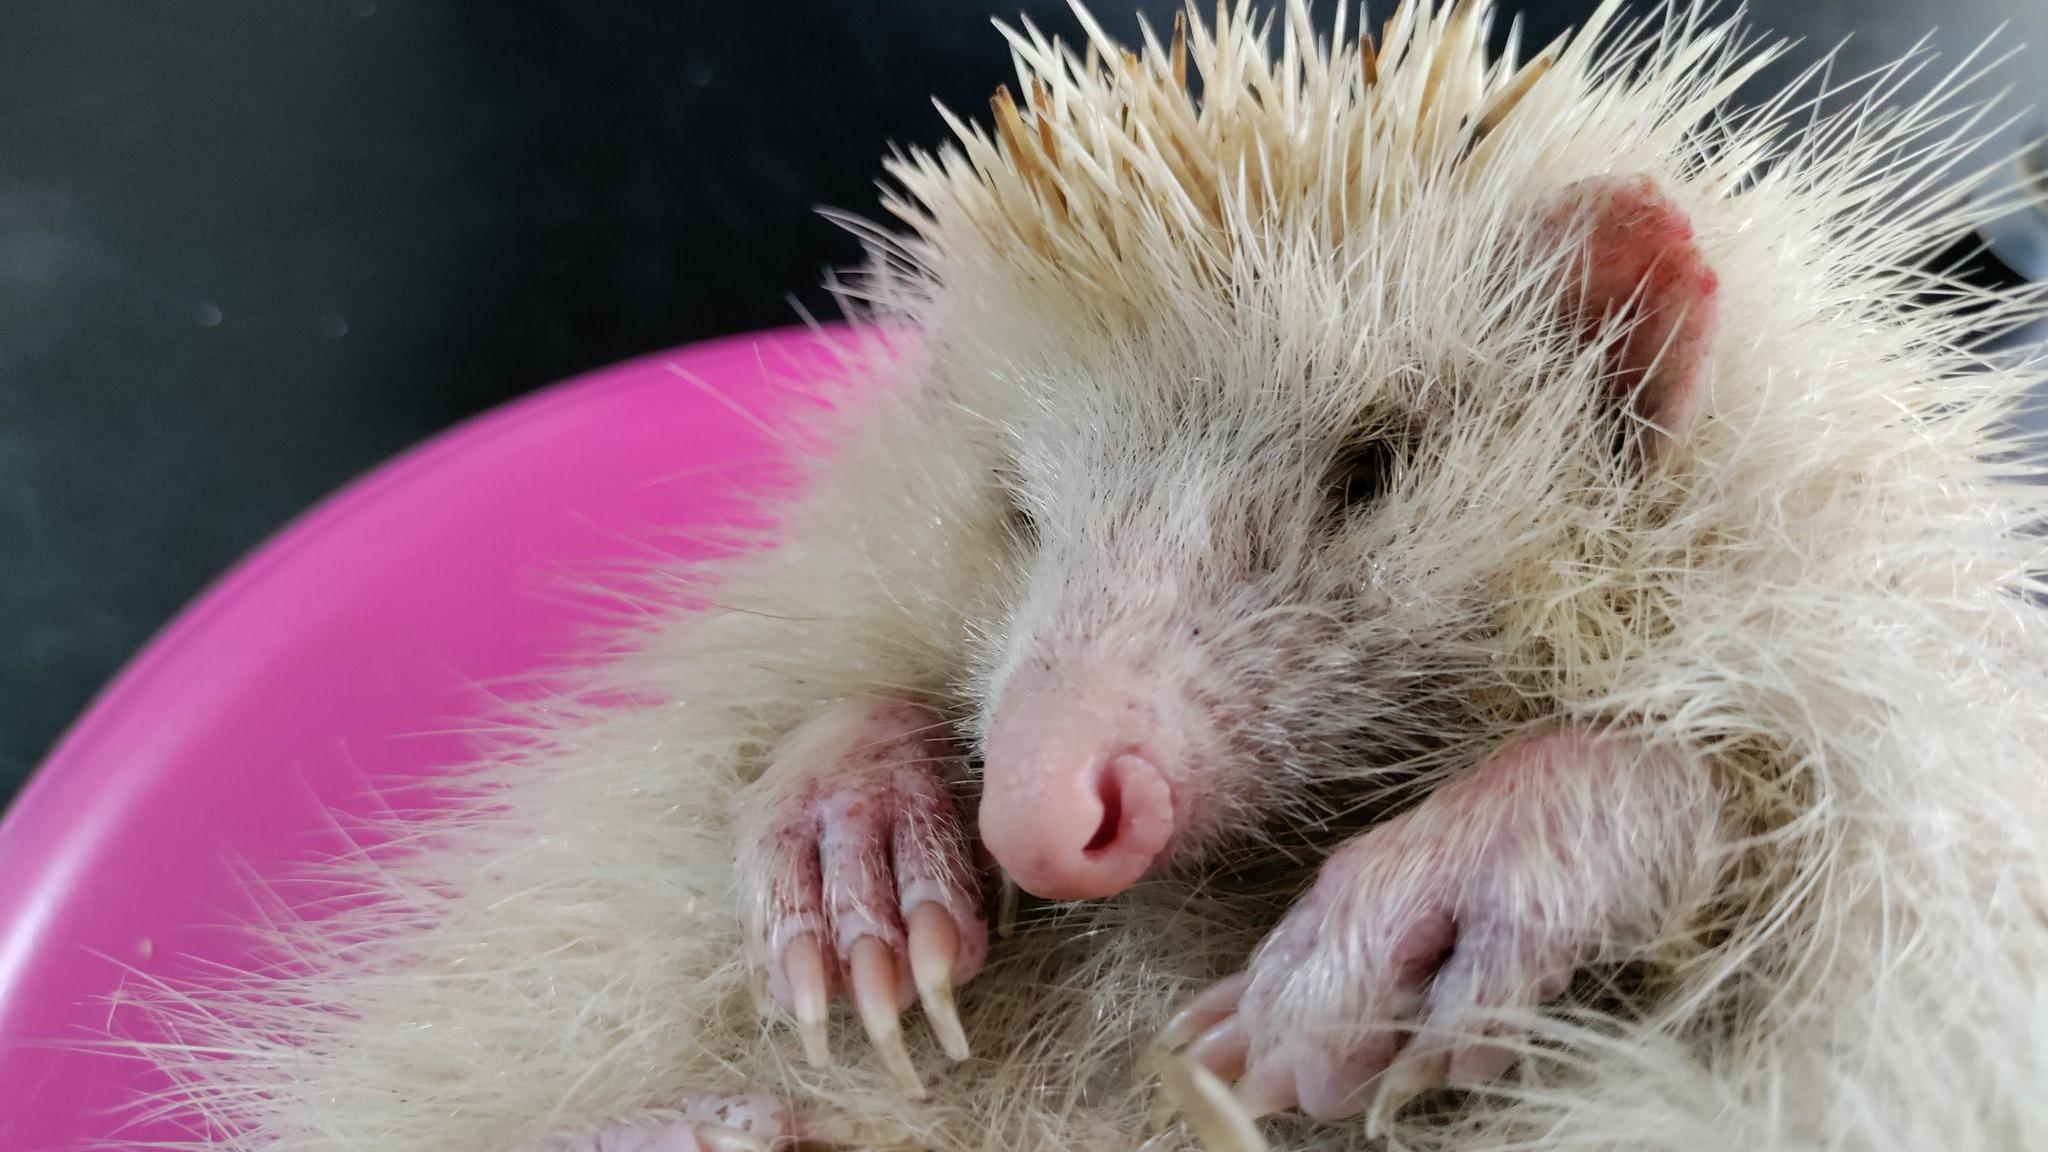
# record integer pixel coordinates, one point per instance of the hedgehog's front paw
(855, 875)
(1422, 939)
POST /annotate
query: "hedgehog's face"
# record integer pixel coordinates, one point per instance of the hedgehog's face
(1226, 607)
(1244, 585)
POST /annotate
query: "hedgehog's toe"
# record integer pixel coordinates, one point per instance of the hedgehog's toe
(856, 879)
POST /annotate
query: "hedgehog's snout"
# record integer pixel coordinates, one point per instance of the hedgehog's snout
(1077, 800)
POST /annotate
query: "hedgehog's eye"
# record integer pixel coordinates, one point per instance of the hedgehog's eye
(1023, 525)
(1007, 482)
(1361, 471)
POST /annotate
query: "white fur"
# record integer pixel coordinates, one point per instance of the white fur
(1148, 335)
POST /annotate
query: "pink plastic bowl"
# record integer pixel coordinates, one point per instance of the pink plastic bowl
(348, 650)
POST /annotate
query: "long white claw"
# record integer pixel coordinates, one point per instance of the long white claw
(1159, 1113)
(1407, 1079)
(803, 965)
(934, 946)
(1209, 1007)
(1212, 1113)
(1223, 1049)
(713, 1138)
(1262, 1095)
(873, 978)
(1203, 1012)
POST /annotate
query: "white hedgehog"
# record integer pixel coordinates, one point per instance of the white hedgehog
(1500, 597)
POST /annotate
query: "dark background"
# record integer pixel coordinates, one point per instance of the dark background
(250, 248)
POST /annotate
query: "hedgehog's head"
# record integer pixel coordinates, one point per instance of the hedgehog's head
(1256, 569)
(1277, 448)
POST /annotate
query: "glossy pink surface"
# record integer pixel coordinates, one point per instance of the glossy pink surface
(348, 650)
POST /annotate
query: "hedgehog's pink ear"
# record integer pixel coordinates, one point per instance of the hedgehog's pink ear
(1641, 266)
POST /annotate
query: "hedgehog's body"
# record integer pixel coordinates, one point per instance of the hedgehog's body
(1769, 670)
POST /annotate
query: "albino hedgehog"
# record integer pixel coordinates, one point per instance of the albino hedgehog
(1495, 597)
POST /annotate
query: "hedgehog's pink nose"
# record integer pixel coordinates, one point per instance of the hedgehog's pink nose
(1072, 804)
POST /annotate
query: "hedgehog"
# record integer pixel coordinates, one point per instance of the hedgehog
(1351, 593)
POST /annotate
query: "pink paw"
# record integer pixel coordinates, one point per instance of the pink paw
(855, 876)
(1424, 935)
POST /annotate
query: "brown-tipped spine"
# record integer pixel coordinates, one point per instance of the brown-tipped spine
(1016, 144)
(1179, 52)
(1041, 114)
(1503, 102)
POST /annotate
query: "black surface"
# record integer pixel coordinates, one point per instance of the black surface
(249, 248)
